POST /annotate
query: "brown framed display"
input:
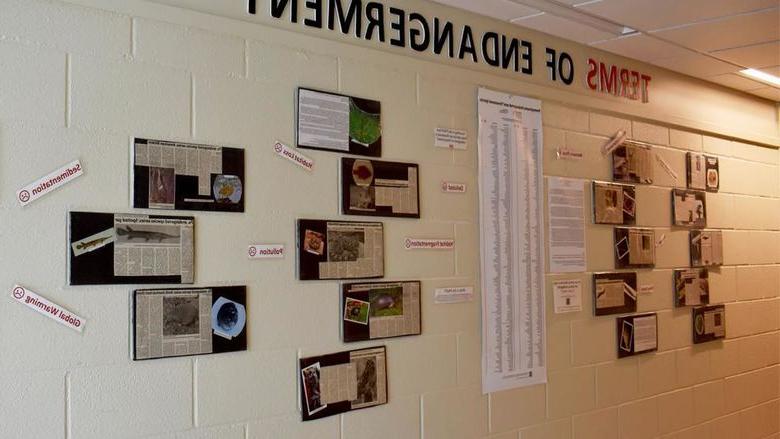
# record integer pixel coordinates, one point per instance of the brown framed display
(706, 248)
(637, 334)
(341, 382)
(689, 208)
(176, 322)
(378, 188)
(114, 248)
(634, 247)
(709, 323)
(702, 172)
(340, 249)
(374, 310)
(632, 163)
(614, 203)
(340, 123)
(614, 293)
(691, 287)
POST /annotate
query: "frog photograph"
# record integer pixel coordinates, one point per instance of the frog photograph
(364, 127)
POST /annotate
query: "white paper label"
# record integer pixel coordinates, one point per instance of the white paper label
(93, 242)
(266, 251)
(566, 207)
(646, 289)
(434, 244)
(47, 308)
(452, 187)
(454, 295)
(567, 295)
(294, 156)
(49, 182)
(645, 333)
(613, 143)
(450, 138)
(569, 154)
(666, 167)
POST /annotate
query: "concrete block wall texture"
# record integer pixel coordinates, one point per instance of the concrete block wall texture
(82, 81)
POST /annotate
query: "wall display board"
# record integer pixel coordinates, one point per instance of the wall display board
(689, 208)
(614, 203)
(188, 321)
(632, 163)
(340, 249)
(614, 293)
(511, 241)
(114, 248)
(703, 172)
(691, 287)
(341, 382)
(340, 123)
(709, 323)
(634, 247)
(637, 334)
(372, 187)
(380, 310)
(706, 248)
(187, 176)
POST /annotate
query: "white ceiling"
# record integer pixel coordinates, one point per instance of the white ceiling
(707, 39)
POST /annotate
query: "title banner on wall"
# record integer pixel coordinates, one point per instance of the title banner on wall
(415, 28)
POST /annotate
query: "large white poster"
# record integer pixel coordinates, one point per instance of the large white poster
(512, 241)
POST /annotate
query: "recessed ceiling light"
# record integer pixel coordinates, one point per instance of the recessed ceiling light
(762, 76)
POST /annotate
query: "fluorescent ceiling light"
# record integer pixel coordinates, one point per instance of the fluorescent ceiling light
(563, 10)
(762, 76)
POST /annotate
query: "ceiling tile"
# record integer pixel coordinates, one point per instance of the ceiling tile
(766, 54)
(500, 9)
(736, 81)
(768, 93)
(773, 70)
(650, 15)
(701, 66)
(641, 47)
(563, 28)
(734, 31)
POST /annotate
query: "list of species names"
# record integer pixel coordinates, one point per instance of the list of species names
(511, 241)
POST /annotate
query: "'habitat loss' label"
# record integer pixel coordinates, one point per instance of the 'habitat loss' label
(266, 251)
(433, 244)
(294, 156)
(47, 308)
(49, 182)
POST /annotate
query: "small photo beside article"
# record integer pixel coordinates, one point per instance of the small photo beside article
(614, 203)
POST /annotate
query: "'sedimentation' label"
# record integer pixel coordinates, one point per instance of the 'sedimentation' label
(49, 182)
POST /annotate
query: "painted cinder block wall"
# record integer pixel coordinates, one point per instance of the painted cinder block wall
(81, 81)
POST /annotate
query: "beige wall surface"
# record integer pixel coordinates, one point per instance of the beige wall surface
(81, 81)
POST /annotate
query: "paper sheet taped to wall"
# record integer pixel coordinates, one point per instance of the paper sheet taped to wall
(512, 241)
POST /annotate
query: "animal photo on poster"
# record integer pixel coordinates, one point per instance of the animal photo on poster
(614, 203)
(392, 309)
